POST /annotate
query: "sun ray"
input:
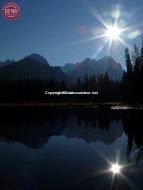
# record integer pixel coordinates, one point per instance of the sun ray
(100, 49)
(91, 39)
(130, 183)
(124, 43)
(96, 13)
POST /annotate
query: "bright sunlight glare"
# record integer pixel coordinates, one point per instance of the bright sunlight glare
(113, 32)
(115, 168)
(115, 28)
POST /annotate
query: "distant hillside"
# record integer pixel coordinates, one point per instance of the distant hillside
(91, 67)
(36, 67)
(32, 67)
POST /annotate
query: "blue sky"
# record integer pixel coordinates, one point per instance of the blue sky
(59, 29)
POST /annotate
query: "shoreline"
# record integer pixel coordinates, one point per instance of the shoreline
(70, 104)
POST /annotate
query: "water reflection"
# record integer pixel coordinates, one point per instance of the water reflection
(69, 148)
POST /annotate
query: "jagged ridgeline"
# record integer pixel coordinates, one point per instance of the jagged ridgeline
(90, 67)
(33, 67)
(28, 78)
(36, 67)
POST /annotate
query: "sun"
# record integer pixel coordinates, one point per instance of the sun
(114, 28)
(113, 33)
(115, 168)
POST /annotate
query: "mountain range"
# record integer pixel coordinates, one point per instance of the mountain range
(37, 67)
(33, 67)
(91, 67)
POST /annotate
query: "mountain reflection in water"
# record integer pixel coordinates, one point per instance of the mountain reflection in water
(69, 148)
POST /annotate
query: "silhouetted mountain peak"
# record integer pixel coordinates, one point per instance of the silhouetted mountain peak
(84, 64)
(38, 58)
(87, 60)
(34, 67)
(89, 67)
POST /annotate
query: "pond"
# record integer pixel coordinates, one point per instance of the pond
(71, 148)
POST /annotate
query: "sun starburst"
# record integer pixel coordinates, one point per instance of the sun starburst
(115, 29)
(115, 168)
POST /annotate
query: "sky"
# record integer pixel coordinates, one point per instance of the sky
(68, 31)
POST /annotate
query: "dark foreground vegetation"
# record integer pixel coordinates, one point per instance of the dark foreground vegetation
(129, 89)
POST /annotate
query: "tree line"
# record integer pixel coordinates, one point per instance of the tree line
(129, 89)
(133, 77)
(34, 90)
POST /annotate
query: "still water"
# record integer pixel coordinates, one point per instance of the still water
(51, 149)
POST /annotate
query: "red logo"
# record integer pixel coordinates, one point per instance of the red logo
(11, 11)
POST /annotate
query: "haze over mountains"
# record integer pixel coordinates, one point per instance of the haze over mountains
(36, 67)
(91, 67)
